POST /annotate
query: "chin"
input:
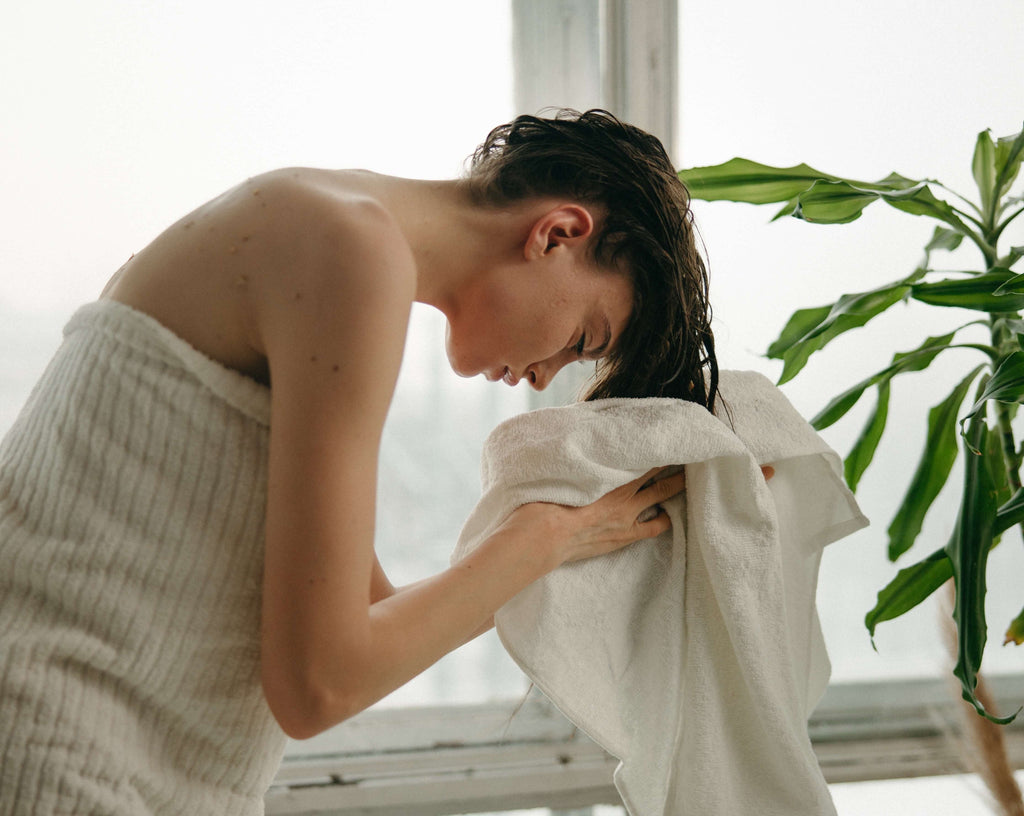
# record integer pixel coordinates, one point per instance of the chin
(460, 367)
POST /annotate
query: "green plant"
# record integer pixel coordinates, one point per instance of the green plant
(992, 499)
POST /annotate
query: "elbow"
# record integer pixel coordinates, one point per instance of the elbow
(304, 710)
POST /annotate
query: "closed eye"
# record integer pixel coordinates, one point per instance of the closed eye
(580, 346)
(597, 353)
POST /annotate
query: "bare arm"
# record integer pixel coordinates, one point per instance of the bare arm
(330, 316)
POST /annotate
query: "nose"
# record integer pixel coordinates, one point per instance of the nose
(540, 374)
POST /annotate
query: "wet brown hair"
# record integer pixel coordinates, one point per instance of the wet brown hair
(667, 348)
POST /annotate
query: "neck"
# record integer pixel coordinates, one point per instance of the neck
(452, 239)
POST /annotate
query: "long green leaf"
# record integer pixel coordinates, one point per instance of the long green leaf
(1015, 634)
(915, 583)
(1011, 257)
(833, 202)
(838, 201)
(983, 168)
(1006, 385)
(1014, 285)
(749, 181)
(755, 183)
(940, 451)
(921, 201)
(1011, 512)
(910, 586)
(916, 360)
(863, 450)
(849, 312)
(991, 292)
(968, 552)
(1009, 153)
(944, 238)
(800, 324)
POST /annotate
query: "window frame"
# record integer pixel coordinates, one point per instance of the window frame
(440, 760)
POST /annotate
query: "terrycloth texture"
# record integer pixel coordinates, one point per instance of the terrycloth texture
(132, 492)
(695, 658)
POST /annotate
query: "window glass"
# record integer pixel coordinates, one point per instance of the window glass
(122, 116)
(857, 90)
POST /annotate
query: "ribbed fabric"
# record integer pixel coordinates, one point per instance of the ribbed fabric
(132, 497)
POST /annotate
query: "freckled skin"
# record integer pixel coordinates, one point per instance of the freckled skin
(305, 268)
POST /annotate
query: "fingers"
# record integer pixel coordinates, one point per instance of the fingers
(647, 492)
(654, 526)
(674, 483)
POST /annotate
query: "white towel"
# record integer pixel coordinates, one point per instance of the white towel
(696, 657)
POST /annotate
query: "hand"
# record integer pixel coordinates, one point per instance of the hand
(611, 522)
(622, 516)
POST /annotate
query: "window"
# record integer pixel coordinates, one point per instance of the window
(858, 91)
(126, 115)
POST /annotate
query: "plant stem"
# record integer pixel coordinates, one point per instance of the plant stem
(1012, 458)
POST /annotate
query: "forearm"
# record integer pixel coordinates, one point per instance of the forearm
(416, 626)
(329, 654)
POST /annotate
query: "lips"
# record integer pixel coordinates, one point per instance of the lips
(505, 375)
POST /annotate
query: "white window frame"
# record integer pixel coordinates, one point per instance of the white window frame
(620, 55)
(435, 761)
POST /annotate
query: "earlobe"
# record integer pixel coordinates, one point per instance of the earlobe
(564, 225)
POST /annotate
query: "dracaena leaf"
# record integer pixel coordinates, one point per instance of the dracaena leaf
(921, 201)
(833, 202)
(916, 360)
(944, 238)
(992, 291)
(1013, 285)
(788, 209)
(913, 584)
(849, 312)
(1015, 634)
(1006, 385)
(752, 182)
(1009, 151)
(1011, 257)
(910, 586)
(840, 201)
(983, 168)
(800, 324)
(1011, 512)
(863, 450)
(968, 550)
(940, 451)
(749, 181)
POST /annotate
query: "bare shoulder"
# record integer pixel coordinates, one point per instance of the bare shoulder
(341, 289)
(330, 248)
(267, 255)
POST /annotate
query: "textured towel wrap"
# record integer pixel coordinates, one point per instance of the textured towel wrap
(132, 496)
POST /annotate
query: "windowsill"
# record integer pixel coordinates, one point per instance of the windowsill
(455, 759)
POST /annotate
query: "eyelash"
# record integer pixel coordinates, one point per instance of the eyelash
(580, 346)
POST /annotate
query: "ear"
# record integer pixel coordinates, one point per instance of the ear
(566, 226)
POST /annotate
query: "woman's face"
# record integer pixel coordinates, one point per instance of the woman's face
(526, 321)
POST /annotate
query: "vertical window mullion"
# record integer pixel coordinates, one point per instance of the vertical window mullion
(620, 55)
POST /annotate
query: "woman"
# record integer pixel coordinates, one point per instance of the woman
(187, 501)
